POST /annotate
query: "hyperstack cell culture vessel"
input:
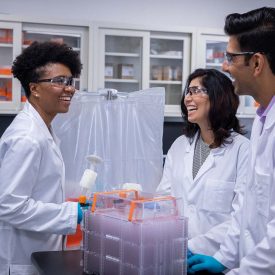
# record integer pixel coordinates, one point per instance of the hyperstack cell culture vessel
(127, 232)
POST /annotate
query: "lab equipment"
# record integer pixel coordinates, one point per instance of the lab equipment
(122, 236)
(84, 200)
(200, 262)
(124, 129)
(130, 185)
(89, 176)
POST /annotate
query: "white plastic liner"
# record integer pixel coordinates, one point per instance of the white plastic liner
(126, 132)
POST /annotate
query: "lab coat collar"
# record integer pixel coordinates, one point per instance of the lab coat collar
(30, 110)
(216, 151)
(269, 121)
(209, 162)
(191, 143)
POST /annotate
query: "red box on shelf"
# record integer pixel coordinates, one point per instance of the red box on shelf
(5, 70)
(6, 36)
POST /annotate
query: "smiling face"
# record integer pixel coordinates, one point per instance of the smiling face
(48, 98)
(198, 105)
(239, 69)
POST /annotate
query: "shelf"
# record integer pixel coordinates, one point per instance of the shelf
(122, 54)
(53, 33)
(6, 45)
(75, 49)
(121, 80)
(243, 115)
(173, 82)
(5, 76)
(165, 56)
(212, 64)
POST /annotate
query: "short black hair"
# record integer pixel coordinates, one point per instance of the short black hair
(223, 106)
(254, 31)
(28, 66)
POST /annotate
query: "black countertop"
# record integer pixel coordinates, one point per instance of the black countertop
(58, 262)
(65, 263)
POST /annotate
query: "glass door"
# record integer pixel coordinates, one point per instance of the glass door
(169, 67)
(72, 36)
(214, 54)
(122, 59)
(9, 48)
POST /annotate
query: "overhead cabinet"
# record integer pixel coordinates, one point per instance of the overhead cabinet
(170, 65)
(122, 57)
(10, 41)
(134, 60)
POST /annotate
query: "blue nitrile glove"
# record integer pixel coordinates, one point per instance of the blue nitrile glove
(189, 253)
(200, 262)
(79, 214)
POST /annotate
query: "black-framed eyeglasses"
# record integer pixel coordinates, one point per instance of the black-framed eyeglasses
(195, 90)
(59, 81)
(230, 56)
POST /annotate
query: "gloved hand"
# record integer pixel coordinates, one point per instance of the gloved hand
(79, 214)
(189, 253)
(200, 262)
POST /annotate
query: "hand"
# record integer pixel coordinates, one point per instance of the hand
(79, 214)
(200, 262)
(189, 253)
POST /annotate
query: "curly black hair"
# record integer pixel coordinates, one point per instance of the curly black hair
(28, 66)
(223, 106)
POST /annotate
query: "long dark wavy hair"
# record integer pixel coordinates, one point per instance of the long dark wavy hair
(223, 107)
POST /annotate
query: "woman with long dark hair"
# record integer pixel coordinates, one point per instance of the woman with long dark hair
(206, 166)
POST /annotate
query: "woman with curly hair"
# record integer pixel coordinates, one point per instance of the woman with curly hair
(206, 166)
(33, 214)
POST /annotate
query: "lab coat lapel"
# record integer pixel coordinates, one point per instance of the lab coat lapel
(262, 133)
(56, 145)
(270, 121)
(256, 130)
(209, 162)
(49, 134)
(188, 159)
(51, 138)
(55, 142)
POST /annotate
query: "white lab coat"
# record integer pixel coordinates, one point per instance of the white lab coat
(251, 240)
(214, 194)
(33, 214)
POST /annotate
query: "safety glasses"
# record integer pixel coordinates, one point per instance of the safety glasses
(195, 91)
(229, 57)
(59, 81)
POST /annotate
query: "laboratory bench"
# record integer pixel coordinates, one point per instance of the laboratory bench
(58, 262)
(64, 263)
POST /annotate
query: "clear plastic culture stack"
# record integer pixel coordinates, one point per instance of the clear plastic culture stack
(128, 232)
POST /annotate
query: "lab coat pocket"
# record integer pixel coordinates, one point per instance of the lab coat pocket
(262, 190)
(218, 196)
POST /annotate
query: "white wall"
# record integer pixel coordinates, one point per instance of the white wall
(196, 13)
